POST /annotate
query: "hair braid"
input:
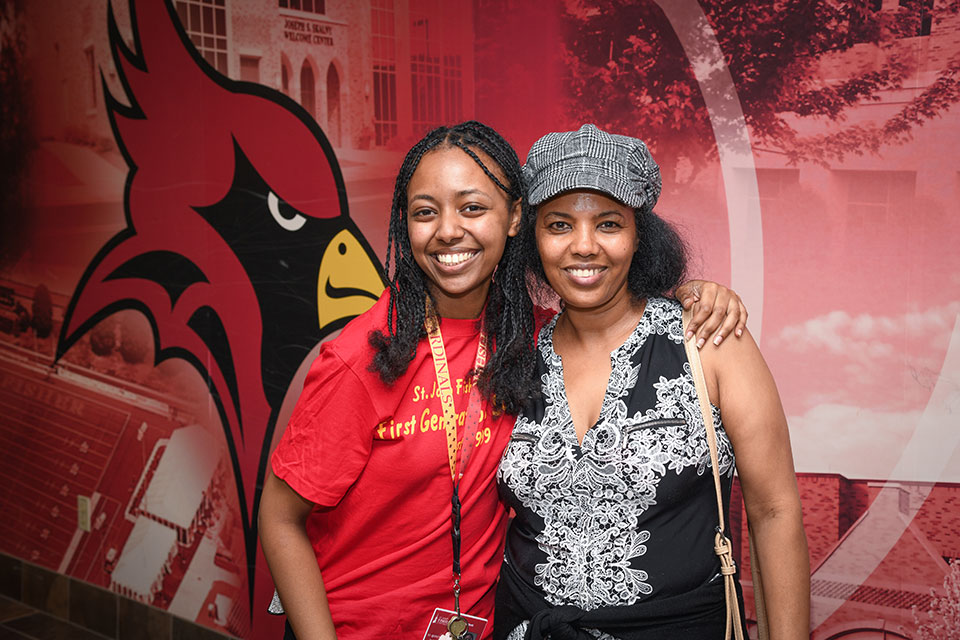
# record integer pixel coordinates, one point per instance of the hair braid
(476, 159)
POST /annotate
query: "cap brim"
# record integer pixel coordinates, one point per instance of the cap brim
(551, 185)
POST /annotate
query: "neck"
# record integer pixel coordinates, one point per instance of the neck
(603, 325)
(465, 306)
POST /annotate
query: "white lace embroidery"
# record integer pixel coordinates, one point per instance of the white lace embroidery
(591, 503)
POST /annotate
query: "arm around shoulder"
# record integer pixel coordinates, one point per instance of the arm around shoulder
(743, 387)
(716, 311)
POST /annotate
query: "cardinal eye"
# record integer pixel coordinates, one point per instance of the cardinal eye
(291, 222)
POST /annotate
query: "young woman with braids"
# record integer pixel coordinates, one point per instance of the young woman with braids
(356, 516)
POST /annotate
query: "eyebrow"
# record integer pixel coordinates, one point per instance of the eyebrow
(459, 194)
(468, 192)
(602, 214)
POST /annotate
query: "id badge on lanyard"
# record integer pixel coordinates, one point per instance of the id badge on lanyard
(460, 627)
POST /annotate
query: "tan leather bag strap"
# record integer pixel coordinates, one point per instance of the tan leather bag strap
(721, 545)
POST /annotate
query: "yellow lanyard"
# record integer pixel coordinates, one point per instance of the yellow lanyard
(445, 391)
(457, 624)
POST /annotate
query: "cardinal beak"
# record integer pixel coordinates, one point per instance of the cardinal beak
(348, 282)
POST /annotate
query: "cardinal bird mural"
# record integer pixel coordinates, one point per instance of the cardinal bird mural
(238, 246)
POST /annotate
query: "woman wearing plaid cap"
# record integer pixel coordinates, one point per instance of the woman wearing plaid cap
(609, 470)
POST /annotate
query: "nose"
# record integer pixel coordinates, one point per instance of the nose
(449, 229)
(584, 241)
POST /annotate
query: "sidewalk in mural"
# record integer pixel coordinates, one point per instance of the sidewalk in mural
(69, 432)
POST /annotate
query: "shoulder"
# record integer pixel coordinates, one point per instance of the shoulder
(352, 345)
(665, 317)
(665, 307)
(739, 354)
(340, 373)
(735, 365)
(345, 359)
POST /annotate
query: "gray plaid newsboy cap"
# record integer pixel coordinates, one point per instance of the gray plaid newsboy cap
(619, 166)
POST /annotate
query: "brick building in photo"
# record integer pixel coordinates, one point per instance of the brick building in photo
(370, 72)
(373, 74)
(876, 547)
(871, 188)
(861, 238)
(876, 217)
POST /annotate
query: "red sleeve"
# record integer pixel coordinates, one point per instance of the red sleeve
(330, 434)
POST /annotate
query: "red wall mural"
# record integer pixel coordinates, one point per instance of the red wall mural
(195, 196)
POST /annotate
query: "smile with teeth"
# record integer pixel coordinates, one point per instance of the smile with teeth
(453, 259)
(584, 273)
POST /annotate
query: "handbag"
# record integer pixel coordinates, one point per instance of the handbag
(722, 546)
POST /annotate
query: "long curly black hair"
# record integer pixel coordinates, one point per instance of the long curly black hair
(659, 264)
(507, 380)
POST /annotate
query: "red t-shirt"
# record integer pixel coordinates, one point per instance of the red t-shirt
(373, 460)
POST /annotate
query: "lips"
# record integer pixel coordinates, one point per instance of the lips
(586, 274)
(454, 259)
(583, 273)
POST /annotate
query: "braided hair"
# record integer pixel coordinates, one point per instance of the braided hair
(508, 319)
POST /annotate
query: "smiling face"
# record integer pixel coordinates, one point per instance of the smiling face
(458, 220)
(586, 242)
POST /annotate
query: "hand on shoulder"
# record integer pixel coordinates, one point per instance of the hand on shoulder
(717, 311)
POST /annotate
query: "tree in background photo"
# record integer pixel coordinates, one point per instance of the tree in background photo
(941, 620)
(103, 338)
(629, 73)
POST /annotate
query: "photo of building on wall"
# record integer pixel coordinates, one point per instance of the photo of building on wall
(808, 156)
(132, 448)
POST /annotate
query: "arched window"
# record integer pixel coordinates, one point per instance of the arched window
(307, 92)
(333, 105)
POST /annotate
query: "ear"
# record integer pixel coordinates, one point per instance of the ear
(515, 214)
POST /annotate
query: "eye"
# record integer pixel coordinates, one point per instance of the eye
(474, 208)
(290, 223)
(608, 225)
(420, 213)
(559, 225)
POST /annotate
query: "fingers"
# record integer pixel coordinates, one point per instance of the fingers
(702, 310)
(730, 321)
(713, 323)
(688, 293)
(716, 313)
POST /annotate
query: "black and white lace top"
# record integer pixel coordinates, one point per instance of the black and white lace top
(630, 514)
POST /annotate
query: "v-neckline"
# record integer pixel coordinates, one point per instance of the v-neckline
(571, 431)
